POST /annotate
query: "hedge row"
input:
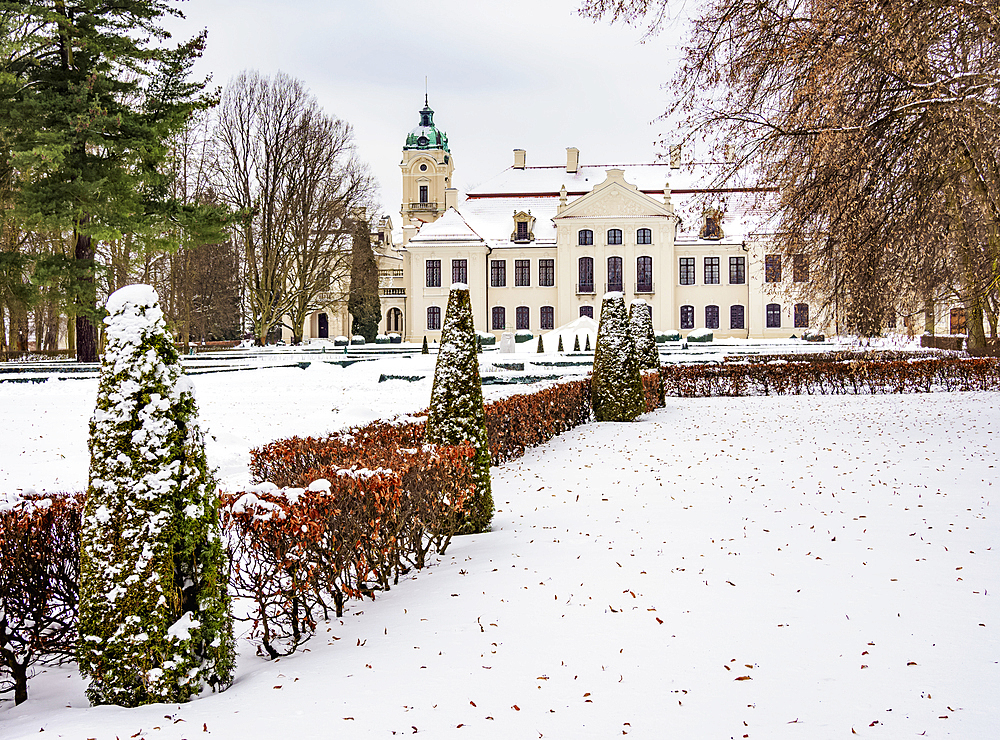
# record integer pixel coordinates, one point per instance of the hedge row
(919, 374)
(299, 553)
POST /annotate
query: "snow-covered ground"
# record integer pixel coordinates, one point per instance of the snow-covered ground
(792, 567)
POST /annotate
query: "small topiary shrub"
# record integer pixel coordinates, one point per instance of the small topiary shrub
(522, 336)
(640, 322)
(381, 339)
(357, 339)
(341, 341)
(616, 385)
(559, 349)
(668, 336)
(456, 412)
(540, 349)
(700, 335)
(155, 622)
(586, 347)
(425, 350)
(576, 343)
(486, 339)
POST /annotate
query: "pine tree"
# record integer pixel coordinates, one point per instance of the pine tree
(155, 622)
(616, 385)
(576, 343)
(540, 349)
(456, 409)
(425, 350)
(587, 346)
(87, 122)
(640, 322)
(363, 303)
(559, 349)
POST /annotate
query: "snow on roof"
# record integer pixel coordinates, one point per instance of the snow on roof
(494, 218)
(451, 227)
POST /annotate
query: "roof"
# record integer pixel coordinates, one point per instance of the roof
(451, 227)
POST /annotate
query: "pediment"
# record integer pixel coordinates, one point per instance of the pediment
(614, 197)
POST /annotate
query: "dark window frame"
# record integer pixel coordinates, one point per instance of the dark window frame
(432, 273)
(644, 236)
(433, 318)
(772, 268)
(644, 274)
(616, 274)
(737, 316)
(738, 270)
(711, 317)
(712, 270)
(585, 278)
(498, 318)
(547, 273)
(800, 314)
(522, 273)
(460, 271)
(800, 268)
(687, 317)
(585, 237)
(547, 318)
(614, 237)
(498, 273)
(773, 316)
(685, 271)
(522, 318)
(587, 311)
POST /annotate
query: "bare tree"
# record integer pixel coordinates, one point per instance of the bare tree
(879, 125)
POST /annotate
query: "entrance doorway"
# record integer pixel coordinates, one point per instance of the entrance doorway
(324, 326)
(394, 321)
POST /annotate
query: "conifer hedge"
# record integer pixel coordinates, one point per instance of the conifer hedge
(616, 385)
(155, 622)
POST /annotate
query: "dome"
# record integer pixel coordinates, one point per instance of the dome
(426, 135)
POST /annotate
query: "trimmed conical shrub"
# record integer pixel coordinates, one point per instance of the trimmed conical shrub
(456, 410)
(576, 343)
(540, 349)
(425, 350)
(559, 349)
(616, 385)
(155, 622)
(587, 346)
(640, 323)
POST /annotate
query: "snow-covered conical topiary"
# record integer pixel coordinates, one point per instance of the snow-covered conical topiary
(155, 621)
(456, 410)
(576, 343)
(616, 385)
(640, 323)
(540, 349)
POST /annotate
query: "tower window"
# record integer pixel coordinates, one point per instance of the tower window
(423, 193)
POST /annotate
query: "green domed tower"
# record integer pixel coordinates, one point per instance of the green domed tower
(427, 166)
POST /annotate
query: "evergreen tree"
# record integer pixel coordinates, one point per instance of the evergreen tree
(456, 410)
(155, 622)
(95, 99)
(587, 346)
(363, 303)
(559, 349)
(425, 350)
(640, 323)
(540, 349)
(576, 343)
(616, 385)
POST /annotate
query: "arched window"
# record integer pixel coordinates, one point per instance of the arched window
(644, 275)
(615, 282)
(711, 317)
(737, 317)
(521, 317)
(687, 317)
(586, 270)
(394, 321)
(801, 315)
(499, 318)
(546, 317)
(585, 237)
(587, 311)
(773, 315)
(644, 236)
(614, 236)
(434, 318)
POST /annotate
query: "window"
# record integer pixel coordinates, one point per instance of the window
(498, 273)
(773, 316)
(614, 236)
(522, 273)
(737, 317)
(522, 317)
(801, 315)
(644, 236)
(800, 269)
(433, 273)
(499, 318)
(587, 311)
(711, 271)
(547, 317)
(615, 274)
(585, 237)
(644, 275)
(423, 193)
(737, 270)
(522, 231)
(546, 273)
(586, 270)
(460, 271)
(772, 268)
(711, 317)
(434, 318)
(687, 271)
(687, 317)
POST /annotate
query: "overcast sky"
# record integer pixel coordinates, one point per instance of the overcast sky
(502, 75)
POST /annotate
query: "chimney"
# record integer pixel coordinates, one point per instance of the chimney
(450, 198)
(675, 156)
(572, 160)
(519, 155)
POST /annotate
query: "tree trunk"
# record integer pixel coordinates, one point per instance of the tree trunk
(974, 325)
(86, 331)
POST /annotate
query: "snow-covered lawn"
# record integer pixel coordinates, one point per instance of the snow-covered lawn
(795, 567)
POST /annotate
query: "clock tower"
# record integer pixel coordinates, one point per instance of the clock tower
(427, 166)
